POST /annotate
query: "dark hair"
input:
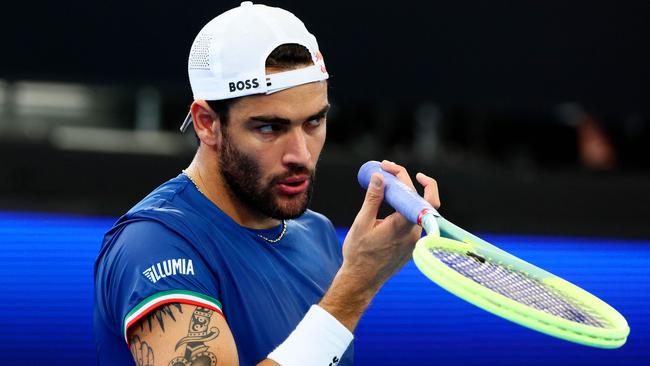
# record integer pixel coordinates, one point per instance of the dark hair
(285, 57)
(289, 56)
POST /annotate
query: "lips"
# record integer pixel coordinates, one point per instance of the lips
(293, 185)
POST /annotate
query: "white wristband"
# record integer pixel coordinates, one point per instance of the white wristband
(319, 339)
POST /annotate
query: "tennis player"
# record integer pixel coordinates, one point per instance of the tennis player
(224, 264)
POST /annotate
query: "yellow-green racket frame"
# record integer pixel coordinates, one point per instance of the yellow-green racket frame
(453, 238)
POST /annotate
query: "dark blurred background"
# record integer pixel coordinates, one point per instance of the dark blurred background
(533, 116)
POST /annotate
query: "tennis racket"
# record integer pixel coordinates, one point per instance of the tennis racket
(497, 281)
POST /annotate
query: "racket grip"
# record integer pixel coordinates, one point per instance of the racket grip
(397, 194)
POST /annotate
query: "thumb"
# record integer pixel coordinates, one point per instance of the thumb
(374, 196)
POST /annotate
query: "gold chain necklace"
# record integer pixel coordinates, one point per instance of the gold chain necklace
(271, 241)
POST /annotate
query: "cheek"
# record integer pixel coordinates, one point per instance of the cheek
(267, 162)
(317, 143)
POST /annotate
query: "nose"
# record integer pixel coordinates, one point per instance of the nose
(296, 149)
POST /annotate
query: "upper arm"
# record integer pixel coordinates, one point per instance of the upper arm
(160, 294)
(181, 335)
(149, 286)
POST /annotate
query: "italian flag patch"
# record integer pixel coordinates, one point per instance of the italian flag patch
(166, 297)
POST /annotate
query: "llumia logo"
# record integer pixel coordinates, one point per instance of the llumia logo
(170, 267)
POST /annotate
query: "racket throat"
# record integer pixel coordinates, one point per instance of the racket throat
(429, 222)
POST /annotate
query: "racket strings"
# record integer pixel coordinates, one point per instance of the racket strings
(518, 286)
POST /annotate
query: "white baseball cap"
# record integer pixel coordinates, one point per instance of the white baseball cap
(228, 56)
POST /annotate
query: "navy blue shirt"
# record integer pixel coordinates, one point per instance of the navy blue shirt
(177, 246)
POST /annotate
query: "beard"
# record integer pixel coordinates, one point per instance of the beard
(243, 176)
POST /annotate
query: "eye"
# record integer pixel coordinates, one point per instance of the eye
(269, 128)
(266, 129)
(315, 122)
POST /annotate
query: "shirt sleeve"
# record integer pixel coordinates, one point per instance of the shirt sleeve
(148, 265)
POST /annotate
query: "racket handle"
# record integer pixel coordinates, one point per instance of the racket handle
(397, 194)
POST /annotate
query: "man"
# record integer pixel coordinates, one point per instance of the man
(224, 264)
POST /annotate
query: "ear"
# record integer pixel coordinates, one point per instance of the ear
(206, 122)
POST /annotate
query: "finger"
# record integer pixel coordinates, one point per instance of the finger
(398, 171)
(374, 196)
(430, 185)
(398, 223)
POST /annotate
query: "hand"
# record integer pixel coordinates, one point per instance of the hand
(374, 250)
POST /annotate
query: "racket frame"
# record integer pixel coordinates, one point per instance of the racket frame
(458, 240)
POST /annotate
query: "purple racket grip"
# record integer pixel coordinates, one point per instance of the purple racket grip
(396, 193)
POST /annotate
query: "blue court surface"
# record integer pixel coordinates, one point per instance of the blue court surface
(46, 268)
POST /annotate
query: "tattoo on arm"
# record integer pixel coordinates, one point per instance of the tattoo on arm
(196, 352)
(160, 314)
(142, 353)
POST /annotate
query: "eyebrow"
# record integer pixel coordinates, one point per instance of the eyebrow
(286, 121)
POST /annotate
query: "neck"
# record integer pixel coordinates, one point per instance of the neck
(205, 173)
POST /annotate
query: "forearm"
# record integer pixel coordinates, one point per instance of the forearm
(348, 297)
